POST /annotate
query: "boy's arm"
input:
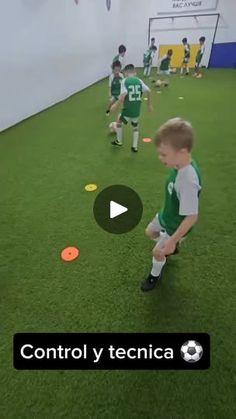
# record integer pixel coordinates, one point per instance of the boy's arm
(110, 83)
(183, 229)
(188, 207)
(117, 104)
(146, 90)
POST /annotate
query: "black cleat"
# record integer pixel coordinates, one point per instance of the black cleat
(150, 283)
(115, 142)
(107, 113)
(134, 149)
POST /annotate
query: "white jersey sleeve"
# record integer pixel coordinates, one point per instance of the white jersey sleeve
(123, 90)
(187, 188)
(111, 79)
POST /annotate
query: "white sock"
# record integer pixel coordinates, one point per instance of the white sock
(149, 70)
(187, 70)
(119, 134)
(145, 71)
(181, 70)
(157, 266)
(135, 138)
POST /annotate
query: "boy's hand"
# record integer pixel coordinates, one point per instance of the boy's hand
(169, 247)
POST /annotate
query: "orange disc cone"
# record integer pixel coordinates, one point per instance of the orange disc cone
(69, 254)
(147, 140)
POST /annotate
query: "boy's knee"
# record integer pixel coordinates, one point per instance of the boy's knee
(148, 232)
(151, 234)
(157, 254)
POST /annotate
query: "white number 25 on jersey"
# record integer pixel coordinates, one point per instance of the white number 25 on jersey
(135, 93)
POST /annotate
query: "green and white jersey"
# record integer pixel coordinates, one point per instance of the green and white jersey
(115, 84)
(133, 88)
(119, 58)
(165, 63)
(200, 53)
(182, 191)
(186, 51)
(147, 57)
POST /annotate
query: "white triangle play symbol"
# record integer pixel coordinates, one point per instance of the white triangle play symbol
(116, 209)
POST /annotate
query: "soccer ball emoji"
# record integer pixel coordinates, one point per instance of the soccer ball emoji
(113, 127)
(191, 351)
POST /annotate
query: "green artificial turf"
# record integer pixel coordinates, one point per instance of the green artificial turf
(45, 162)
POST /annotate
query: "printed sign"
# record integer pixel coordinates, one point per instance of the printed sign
(183, 6)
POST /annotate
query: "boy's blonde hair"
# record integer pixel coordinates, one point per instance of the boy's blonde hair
(176, 132)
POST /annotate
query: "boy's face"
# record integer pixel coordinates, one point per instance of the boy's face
(117, 70)
(169, 156)
(122, 54)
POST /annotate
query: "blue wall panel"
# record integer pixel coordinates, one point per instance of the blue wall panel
(223, 55)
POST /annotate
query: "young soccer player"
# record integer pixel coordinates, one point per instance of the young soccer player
(186, 57)
(199, 56)
(132, 89)
(152, 45)
(174, 141)
(147, 60)
(114, 84)
(164, 63)
(120, 55)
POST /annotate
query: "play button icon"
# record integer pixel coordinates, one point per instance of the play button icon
(117, 209)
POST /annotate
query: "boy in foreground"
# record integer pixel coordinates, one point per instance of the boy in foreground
(174, 141)
(132, 90)
(114, 84)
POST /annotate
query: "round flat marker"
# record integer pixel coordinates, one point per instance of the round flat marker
(181, 97)
(145, 98)
(147, 140)
(159, 91)
(69, 254)
(91, 187)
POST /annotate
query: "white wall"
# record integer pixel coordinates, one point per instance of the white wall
(138, 13)
(50, 49)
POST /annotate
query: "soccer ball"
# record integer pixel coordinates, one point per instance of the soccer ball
(191, 351)
(113, 127)
(158, 83)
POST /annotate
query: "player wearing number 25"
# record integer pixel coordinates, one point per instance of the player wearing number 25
(132, 90)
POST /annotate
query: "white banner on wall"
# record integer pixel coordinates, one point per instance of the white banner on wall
(183, 6)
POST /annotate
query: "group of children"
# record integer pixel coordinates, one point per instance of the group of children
(165, 61)
(174, 142)
(187, 55)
